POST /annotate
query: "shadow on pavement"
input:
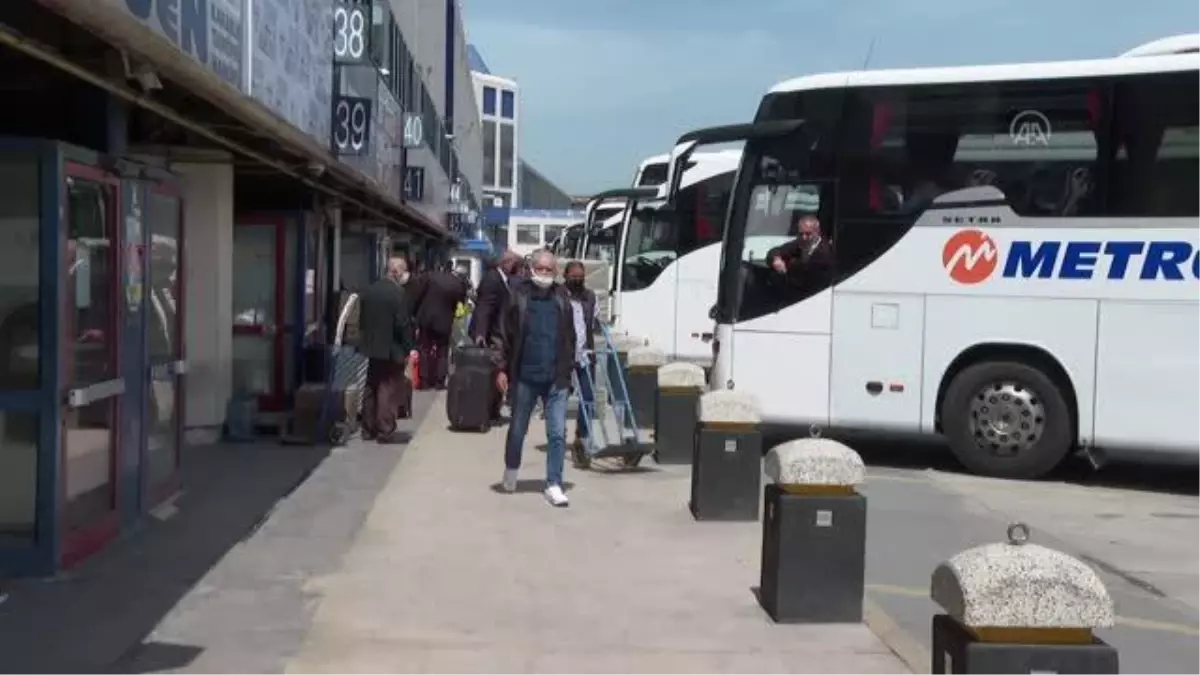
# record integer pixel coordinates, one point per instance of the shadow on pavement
(1152, 473)
(530, 485)
(94, 617)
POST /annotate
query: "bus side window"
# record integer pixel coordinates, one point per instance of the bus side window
(1155, 166)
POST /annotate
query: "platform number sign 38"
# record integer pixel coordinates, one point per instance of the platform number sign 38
(351, 127)
(350, 32)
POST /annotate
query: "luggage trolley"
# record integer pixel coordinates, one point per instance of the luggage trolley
(612, 432)
(345, 379)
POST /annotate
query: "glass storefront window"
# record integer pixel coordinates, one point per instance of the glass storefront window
(489, 153)
(507, 156)
(88, 430)
(529, 234)
(163, 339)
(19, 231)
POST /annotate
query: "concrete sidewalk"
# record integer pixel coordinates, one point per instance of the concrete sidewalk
(447, 574)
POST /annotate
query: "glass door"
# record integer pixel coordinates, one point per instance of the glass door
(90, 345)
(164, 342)
(258, 311)
(21, 372)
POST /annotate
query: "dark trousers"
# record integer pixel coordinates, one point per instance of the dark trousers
(384, 396)
(434, 348)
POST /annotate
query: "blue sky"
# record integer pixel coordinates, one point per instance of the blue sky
(605, 83)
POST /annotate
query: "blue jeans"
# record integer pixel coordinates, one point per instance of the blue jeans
(583, 375)
(524, 397)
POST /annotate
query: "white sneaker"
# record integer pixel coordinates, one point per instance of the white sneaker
(509, 482)
(556, 496)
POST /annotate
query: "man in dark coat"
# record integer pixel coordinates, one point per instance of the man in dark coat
(807, 261)
(537, 361)
(435, 297)
(585, 313)
(386, 339)
(493, 295)
(495, 287)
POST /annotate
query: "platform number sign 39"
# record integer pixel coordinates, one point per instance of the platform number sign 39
(351, 32)
(351, 127)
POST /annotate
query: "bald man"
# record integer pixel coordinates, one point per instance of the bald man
(386, 339)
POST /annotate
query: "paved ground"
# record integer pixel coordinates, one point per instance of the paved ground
(219, 586)
(1135, 524)
(267, 565)
(449, 575)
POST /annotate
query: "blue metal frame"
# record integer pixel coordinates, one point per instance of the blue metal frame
(43, 554)
(40, 556)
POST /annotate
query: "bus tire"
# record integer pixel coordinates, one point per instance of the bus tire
(1006, 419)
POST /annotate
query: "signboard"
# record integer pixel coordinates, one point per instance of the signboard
(414, 184)
(414, 130)
(210, 31)
(351, 33)
(291, 45)
(351, 128)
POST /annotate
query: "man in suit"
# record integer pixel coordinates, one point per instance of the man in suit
(435, 297)
(492, 296)
(807, 261)
(386, 339)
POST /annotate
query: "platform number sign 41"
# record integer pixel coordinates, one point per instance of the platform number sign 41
(351, 32)
(351, 128)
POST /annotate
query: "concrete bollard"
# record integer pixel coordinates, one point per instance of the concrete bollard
(622, 344)
(814, 533)
(643, 364)
(675, 414)
(726, 457)
(1019, 608)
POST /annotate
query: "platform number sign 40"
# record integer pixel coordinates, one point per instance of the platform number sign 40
(351, 32)
(351, 127)
(414, 130)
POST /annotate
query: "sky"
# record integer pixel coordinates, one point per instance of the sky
(607, 83)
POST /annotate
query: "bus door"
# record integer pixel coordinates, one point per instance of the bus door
(782, 337)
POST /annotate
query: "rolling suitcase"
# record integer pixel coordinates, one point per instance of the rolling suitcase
(470, 390)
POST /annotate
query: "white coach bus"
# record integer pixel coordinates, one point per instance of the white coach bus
(1007, 256)
(667, 280)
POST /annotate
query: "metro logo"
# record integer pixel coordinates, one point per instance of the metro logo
(971, 257)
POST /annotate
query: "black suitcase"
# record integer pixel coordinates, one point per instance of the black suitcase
(471, 389)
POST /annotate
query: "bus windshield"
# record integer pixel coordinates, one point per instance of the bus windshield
(602, 244)
(650, 246)
(569, 245)
(778, 198)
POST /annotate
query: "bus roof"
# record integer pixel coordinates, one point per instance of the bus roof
(656, 159)
(996, 73)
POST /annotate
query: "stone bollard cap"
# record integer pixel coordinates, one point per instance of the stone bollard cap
(728, 405)
(625, 343)
(814, 461)
(681, 375)
(646, 356)
(1009, 585)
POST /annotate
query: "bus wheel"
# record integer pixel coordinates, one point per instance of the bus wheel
(1006, 419)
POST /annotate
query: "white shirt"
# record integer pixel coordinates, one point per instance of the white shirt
(582, 327)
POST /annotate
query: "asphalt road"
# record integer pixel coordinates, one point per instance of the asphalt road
(1135, 524)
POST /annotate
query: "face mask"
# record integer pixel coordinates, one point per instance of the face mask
(403, 278)
(543, 281)
(575, 284)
